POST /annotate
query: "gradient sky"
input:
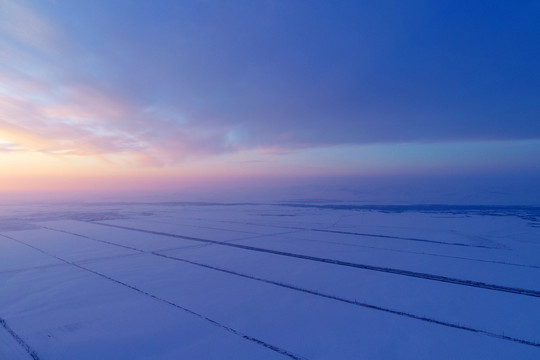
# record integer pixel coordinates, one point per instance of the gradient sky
(141, 94)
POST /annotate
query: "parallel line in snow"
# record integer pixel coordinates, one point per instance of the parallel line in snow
(401, 238)
(213, 322)
(369, 247)
(19, 340)
(426, 276)
(314, 292)
(422, 253)
(362, 234)
(354, 302)
(207, 227)
(82, 261)
(37, 267)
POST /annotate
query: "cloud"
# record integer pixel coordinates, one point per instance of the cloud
(104, 80)
(49, 106)
(88, 125)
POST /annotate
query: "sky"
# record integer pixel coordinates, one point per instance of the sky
(148, 95)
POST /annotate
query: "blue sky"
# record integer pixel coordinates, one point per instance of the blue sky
(349, 87)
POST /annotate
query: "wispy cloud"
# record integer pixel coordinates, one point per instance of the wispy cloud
(88, 124)
(43, 109)
(108, 81)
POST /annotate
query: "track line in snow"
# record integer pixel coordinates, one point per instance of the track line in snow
(354, 302)
(320, 294)
(38, 267)
(418, 253)
(382, 236)
(134, 288)
(402, 238)
(19, 340)
(401, 272)
(364, 246)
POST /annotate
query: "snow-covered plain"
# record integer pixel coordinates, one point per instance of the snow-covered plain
(269, 281)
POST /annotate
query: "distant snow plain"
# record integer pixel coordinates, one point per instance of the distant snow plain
(268, 281)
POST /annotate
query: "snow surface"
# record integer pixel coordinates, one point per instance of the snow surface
(264, 281)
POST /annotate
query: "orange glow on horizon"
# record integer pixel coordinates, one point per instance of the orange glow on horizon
(37, 172)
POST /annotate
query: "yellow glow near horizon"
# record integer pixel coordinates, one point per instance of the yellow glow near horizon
(34, 171)
(25, 170)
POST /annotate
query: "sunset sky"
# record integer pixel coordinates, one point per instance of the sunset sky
(114, 95)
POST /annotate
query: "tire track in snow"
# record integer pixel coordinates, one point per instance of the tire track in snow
(354, 302)
(419, 253)
(316, 293)
(382, 236)
(19, 340)
(358, 245)
(401, 238)
(140, 291)
(426, 276)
